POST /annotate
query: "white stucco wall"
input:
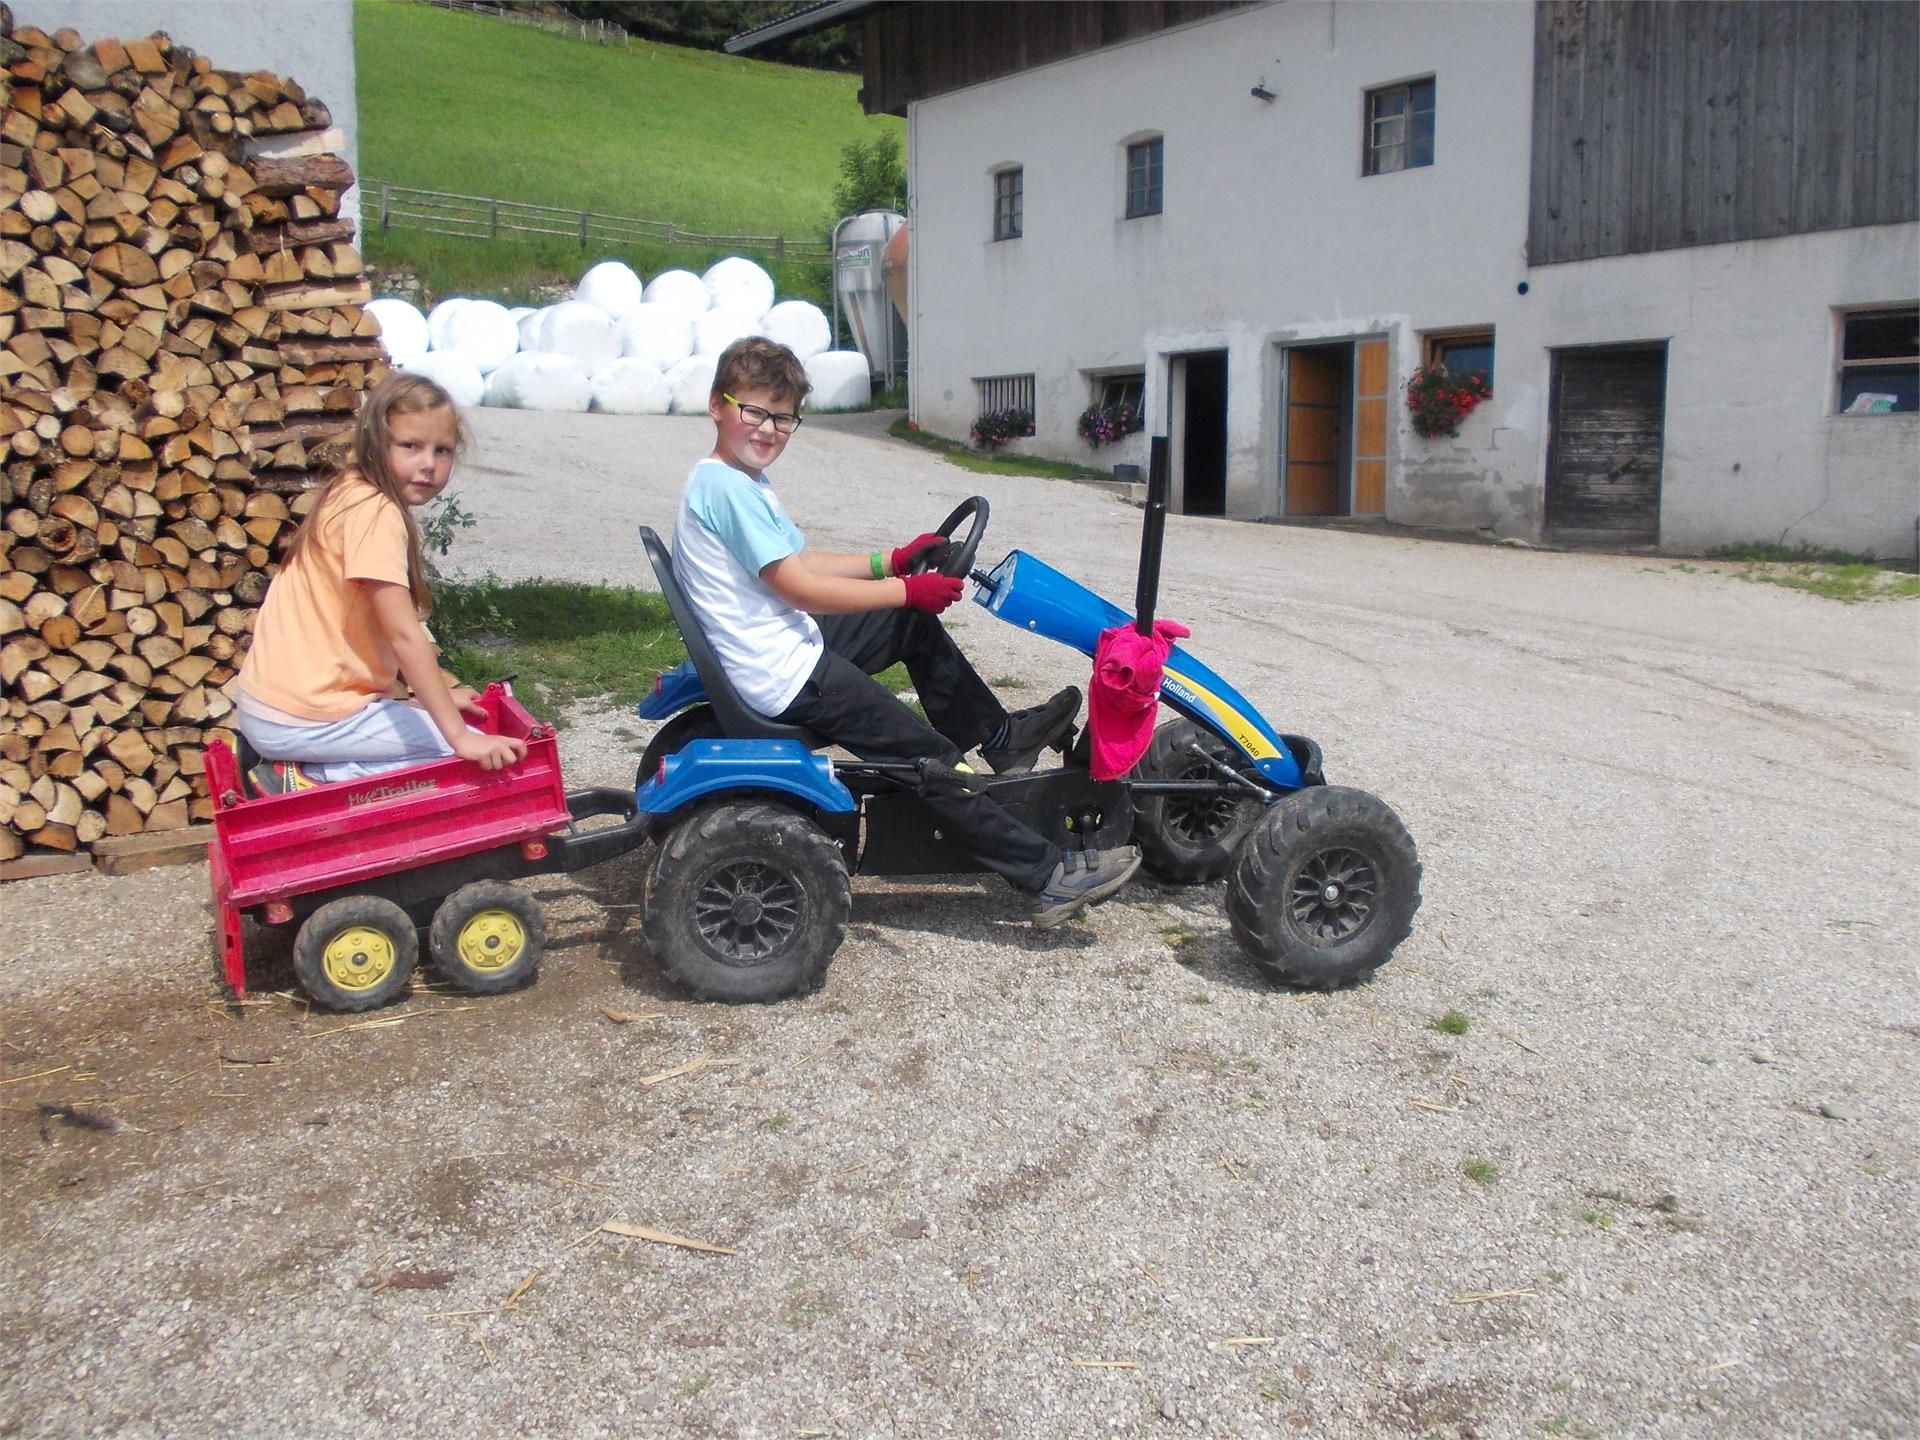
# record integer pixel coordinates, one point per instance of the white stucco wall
(310, 41)
(1271, 235)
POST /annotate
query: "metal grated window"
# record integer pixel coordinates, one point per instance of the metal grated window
(1004, 392)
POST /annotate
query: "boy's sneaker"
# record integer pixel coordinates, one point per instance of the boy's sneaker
(280, 777)
(1032, 730)
(1082, 879)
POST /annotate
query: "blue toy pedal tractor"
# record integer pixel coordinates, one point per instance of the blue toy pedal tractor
(747, 896)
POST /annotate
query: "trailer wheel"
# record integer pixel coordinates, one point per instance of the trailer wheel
(697, 723)
(356, 953)
(1184, 839)
(746, 903)
(487, 937)
(1325, 887)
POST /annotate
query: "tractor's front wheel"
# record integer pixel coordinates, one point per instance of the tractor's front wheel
(1190, 839)
(356, 953)
(746, 902)
(1325, 887)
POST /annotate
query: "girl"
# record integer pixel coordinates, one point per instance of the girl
(342, 618)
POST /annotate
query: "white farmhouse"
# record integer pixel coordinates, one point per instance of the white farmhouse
(1680, 242)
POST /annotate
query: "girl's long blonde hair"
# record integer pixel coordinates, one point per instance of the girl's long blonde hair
(398, 394)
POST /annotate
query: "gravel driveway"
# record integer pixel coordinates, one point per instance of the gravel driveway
(1103, 1181)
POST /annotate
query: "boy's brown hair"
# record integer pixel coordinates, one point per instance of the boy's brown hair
(757, 363)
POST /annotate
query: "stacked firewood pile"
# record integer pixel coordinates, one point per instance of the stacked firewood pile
(180, 331)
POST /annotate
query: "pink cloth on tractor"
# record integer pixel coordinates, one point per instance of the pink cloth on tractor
(1123, 698)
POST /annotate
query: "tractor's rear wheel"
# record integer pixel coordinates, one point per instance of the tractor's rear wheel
(746, 902)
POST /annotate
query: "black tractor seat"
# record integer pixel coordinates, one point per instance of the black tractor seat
(737, 719)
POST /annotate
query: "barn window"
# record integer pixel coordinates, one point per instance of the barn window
(1463, 353)
(1143, 177)
(1399, 126)
(1880, 361)
(1007, 203)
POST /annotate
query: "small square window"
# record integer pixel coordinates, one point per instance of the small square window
(1399, 127)
(1007, 201)
(1143, 177)
(1463, 353)
(1880, 361)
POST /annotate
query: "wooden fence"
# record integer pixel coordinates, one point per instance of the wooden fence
(483, 217)
(598, 31)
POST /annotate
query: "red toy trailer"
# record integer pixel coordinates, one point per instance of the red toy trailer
(362, 865)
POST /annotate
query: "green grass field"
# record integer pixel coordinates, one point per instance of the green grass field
(479, 106)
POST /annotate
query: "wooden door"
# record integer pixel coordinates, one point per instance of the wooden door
(1370, 427)
(1608, 418)
(1315, 380)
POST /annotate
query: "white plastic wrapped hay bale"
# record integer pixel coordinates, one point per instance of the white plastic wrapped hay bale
(532, 380)
(691, 382)
(583, 333)
(682, 289)
(717, 329)
(841, 380)
(800, 326)
(454, 372)
(739, 284)
(658, 334)
(403, 329)
(610, 286)
(482, 331)
(630, 387)
(440, 316)
(530, 321)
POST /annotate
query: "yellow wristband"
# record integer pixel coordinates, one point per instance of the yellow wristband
(879, 566)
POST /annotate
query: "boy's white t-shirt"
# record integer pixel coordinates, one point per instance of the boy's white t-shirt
(732, 526)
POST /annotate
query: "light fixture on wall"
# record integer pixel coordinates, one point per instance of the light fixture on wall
(1261, 92)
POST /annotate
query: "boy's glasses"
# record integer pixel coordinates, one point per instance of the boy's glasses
(756, 417)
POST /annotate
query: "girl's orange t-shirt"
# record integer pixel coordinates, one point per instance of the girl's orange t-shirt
(317, 652)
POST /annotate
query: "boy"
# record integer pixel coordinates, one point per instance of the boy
(802, 632)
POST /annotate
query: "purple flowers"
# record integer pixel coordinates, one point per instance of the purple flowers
(996, 427)
(1104, 424)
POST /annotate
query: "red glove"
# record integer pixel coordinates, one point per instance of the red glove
(932, 593)
(901, 561)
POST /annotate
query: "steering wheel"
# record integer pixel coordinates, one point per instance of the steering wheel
(956, 556)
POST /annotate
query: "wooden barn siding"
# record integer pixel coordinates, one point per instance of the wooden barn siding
(1699, 121)
(917, 50)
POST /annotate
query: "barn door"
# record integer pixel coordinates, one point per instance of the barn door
(1316, 402)
(1608, 435)
(1370, 427)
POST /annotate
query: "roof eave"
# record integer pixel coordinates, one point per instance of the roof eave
(801, 22)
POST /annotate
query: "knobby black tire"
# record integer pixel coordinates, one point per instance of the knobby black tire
(1318, 837)
(1189, 840)
(473, 903)
(338, 918)
(746, 903)
(697, 723)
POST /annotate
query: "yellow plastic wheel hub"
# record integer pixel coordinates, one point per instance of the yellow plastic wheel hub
(359, 957)
(491, 940)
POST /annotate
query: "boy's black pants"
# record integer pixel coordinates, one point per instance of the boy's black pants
(843, 703)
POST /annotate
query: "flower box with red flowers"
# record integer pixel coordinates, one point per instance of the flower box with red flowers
(1439, 400)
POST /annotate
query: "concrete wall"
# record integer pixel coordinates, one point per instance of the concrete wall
(1270, 235)
(310, 41)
